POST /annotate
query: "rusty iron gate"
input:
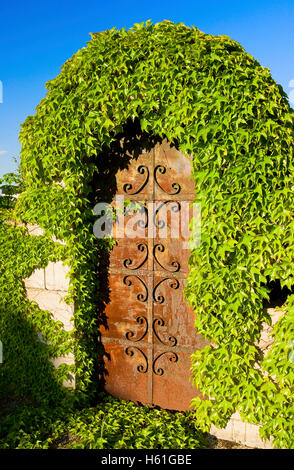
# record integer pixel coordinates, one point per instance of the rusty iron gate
(149, 334)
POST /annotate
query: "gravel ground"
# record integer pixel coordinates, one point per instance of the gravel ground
(215, 443)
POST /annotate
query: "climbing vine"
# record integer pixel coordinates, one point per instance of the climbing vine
(30, 337)
(218, 104)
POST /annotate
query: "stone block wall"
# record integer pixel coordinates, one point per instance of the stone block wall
(243, 433)
(48, 287)
(236, 430)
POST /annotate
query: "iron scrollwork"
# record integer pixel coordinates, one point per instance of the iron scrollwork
(176, 207)
(142, 368)
(162, 170)
(130, 334)
(157, 322)
(142, 296)
(172, 341)
(175, 264)
(142, 169)
(173, 357)
(128, 263)
(174, 284)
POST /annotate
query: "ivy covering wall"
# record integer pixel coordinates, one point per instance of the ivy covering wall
(30, 337)
(215, 101)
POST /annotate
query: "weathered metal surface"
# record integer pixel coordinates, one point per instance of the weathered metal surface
(148, 331)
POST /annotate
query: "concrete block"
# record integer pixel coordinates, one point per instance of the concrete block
(35, 230)
(53, 301)
(236, 416)
(252, 436)
(226, 433)
(275, 314)
(239, 431)
(268, 444)
(69, 359)
(55, 276)
(242, 433)
(36, 279)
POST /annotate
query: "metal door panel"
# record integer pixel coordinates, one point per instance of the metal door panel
(147, 328)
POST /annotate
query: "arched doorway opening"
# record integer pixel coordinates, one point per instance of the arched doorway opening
(147, 328)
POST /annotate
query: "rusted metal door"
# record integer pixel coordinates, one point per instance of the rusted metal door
(149, 333)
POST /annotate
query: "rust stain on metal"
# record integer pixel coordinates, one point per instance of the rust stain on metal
(148, 334)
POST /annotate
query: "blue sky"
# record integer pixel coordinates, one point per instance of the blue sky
(37, 37)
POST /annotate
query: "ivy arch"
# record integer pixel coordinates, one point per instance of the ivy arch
(212, 98)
